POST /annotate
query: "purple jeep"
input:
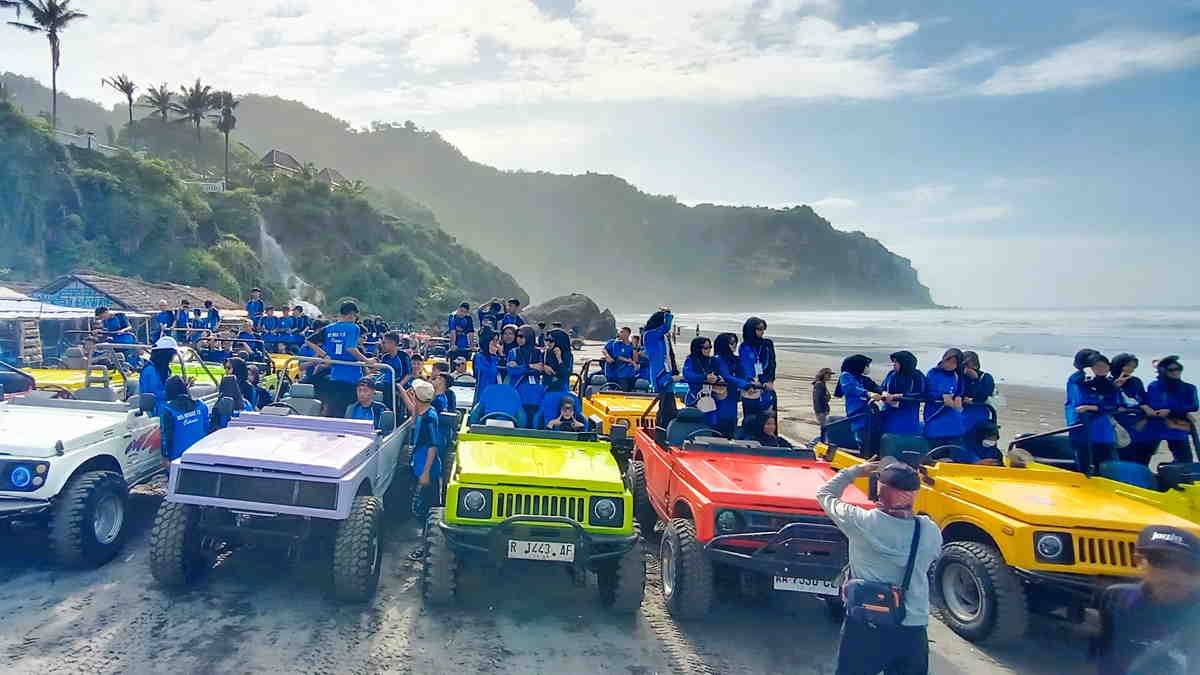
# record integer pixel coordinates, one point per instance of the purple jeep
(281, 480)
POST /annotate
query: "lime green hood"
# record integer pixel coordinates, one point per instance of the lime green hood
(495, 460)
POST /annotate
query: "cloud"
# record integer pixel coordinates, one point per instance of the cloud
(923, 195)
(834, 204)
(1096, 61)
(973, 215)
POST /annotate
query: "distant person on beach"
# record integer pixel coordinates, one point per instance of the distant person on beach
(904, 381)
(978, 388)
(851, 385)
(1091, 401)
(943, 400)
(821, 395)
(757, 353)
(1173, 400)
(1143, 441)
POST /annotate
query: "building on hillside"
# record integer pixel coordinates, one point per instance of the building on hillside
(278, 160)
(332, 177)
(88, 289)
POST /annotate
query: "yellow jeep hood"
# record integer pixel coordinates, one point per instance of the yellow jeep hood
(538, 462)
(1049, 498)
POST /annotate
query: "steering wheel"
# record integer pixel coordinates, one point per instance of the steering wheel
(60, 392)
(498, 416)
(701, 432)
(284, 404)
(611, 386)
(942, 452)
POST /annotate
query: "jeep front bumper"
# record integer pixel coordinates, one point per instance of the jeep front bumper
(492, 541)
(20, 508)
(798, 550)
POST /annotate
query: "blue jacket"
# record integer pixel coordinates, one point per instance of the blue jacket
(1180, 403)
(1133, 394)
(643, 368)
(162, 321)
(213, 320)
(254, 308)
(905, 416)
(427, 438)
(182, 429)
(514, 319)
(756, 360)
(118, 322)
(695, 373)
(618, 369)
(487, 371)
(354, 411)
(1100, 425)
(527, 381)
(941, 420)
(465, 326)
(655, 342)
(857, 398)
(973, 452)
(401, 363)
(149, 382)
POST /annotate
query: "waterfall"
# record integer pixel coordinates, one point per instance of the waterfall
(71, 179)
(279, 268)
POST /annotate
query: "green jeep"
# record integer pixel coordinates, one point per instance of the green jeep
(553, 497)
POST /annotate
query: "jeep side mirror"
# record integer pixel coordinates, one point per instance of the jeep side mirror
(387, 422)
(224, 406)
(147, 403)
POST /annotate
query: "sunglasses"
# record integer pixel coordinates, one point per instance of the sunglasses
(1174, 369)
(706, 347)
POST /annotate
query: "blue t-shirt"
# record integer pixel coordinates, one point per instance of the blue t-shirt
(400, 363)
(115, 323)
(340, 338)
(184, 429)
(254, 308)
(464, 325)
(618, 369)
(426, 439)
(514, 319)
(357, 411)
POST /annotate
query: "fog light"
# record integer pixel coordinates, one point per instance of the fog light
(42, 468)
(37, 481)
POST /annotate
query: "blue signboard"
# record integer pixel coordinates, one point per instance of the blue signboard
(77, 294)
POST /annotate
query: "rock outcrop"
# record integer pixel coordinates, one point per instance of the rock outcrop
(576, 312)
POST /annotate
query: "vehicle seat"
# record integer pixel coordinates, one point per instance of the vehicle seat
(1177, 474)
(641, 384)
(73, 359)
(303, 399)
(549, 409)
(1130, 473)
(96, 394)
(595, 383)
(840, 435)
(687, 422)
(907, 447)
(1053, 450)
(498, 401)
(202, 390)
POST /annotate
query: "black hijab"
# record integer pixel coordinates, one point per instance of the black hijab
(177, 394)
(558, 338)
(230, 387)
(855, 365)
(750, 335)
(527, 353)
(1171, 384)
(723, 348)
(656, 319)
(161, 360)
(908, 380)
(958, 354)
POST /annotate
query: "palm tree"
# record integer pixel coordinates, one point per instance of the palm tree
(225, 120)
(126, 86)
(159, 99)
(195, 102)
(49, 17)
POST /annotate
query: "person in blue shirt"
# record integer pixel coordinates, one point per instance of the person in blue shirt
(980, 446)
(230, 389)
(339, 342)
(426, 440)
(1091, 402)
(154, 376)
(559, 360)
(401, 365)
(943, 400)
(212, 318)
(654, 337)
(978, 388)
(854, 385)
(183, 322)
(460, 328)
(511, 316)
(1143, 442)
(619, 366)
(487, 364)
(700, 373)
(365, 407)
(258, 394)
(903, 381)
(269, 326)
(301, 324)
(491, 313)
(642, 371)
(1171, 401)
(525, 370)
(757, 353)
(566, 420)
(163, 321)
(183, 420)
(254, 306)
(117, 330)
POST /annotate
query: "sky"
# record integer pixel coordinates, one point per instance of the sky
(1021, 154)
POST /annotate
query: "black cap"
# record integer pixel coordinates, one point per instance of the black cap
(465, 306)
(1170, 539)
(900, 476)
(365, 382)
(101, 310)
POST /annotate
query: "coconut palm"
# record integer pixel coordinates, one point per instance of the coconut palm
(49, 17)
(158, 99)
(225, 120)
(124, 85)
(194, 104)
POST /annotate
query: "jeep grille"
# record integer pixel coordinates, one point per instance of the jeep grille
(510, 504)
(279, 491)
(1108, 552)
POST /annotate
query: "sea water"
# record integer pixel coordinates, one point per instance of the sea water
(1019, 346)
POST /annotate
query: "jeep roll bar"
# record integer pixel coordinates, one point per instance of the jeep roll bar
(112, 347)
(320, 361)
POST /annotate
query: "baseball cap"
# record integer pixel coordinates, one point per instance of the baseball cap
(365, 382)
(1169, 539)
(460, 359)
(423, 390)
(166, 342)
(900, 476)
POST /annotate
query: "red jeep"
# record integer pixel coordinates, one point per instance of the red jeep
(735, 510)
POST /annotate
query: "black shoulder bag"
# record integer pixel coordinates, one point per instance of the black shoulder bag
(877, 603)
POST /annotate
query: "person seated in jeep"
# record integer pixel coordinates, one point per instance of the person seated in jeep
(765, 430)
(980, 446)
(566, 420)
(365, 407)
(184, 420)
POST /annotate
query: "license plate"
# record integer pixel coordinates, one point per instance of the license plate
(800, 585)
(541, 550)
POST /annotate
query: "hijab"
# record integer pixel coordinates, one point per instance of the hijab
(177, 394)
(161, 360)
(527, 353)
(230, 387)
(505, 332)
(1171, 384)
(656, 320)
(750, 335)
(558, 338)
(239, 370)
(958, 354)
(908, 380)
(972, 359)
(855, 365)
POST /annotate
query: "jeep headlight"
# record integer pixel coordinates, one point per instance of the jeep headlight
(607, 511)
(475, 503)
(1053, 547)
(728, 522)
(23, 476)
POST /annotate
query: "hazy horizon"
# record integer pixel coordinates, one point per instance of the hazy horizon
(1023, 154)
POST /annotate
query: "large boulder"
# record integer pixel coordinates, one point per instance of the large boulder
(576, 312)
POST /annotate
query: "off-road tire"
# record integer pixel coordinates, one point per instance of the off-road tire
(1004, 613)
(691, 594)
(398, 500)
(73, 541)
(176, 556)
(622, 583)
(358, 551)
(643, 510)
(439, 567)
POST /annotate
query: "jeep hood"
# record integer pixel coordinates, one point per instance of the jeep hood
(1050, 498)
(30, 431)
(312, 453)
(761, 482)
(528, 462)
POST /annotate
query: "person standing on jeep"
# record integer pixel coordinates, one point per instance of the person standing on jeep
(460, 328)
(254, 306)
(1153, 627)
(880, 545)
(339, 342)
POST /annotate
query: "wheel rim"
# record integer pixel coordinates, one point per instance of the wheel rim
(962, 592)
(668, 566)
(107, 519)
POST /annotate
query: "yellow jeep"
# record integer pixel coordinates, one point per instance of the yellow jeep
(1020, 540)
(607, 406)
(548, 496)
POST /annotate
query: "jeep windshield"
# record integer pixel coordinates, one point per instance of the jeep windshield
(739, 447)
(490, 430)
